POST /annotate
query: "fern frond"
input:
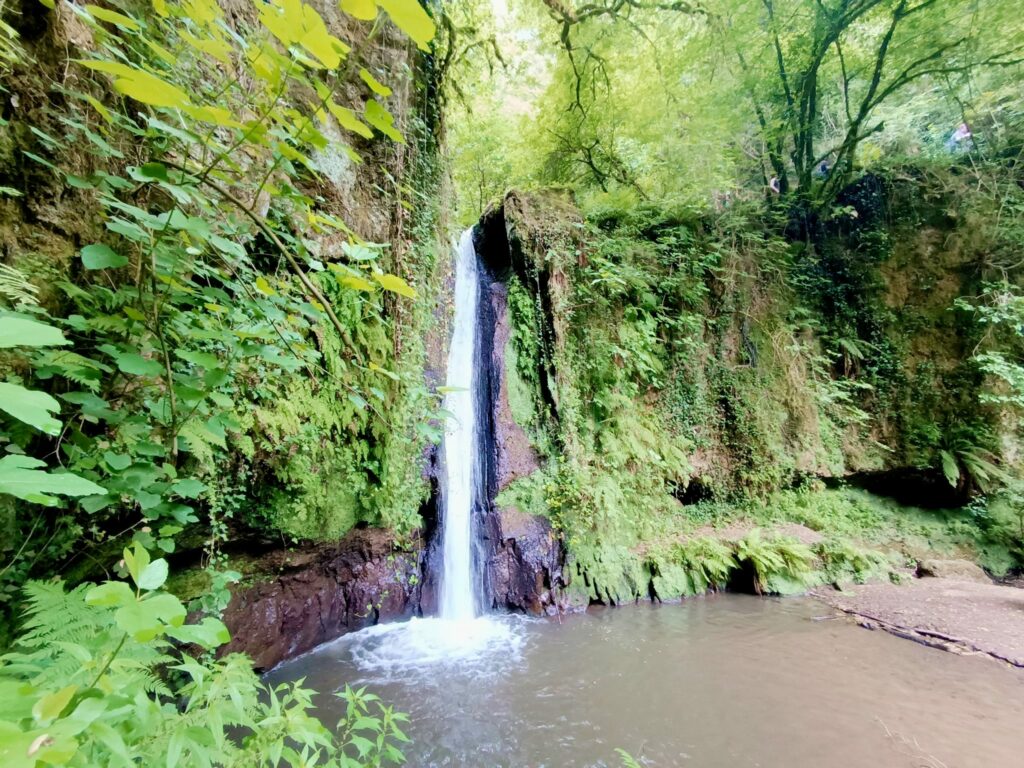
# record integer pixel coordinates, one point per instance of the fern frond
(16, 288)
(53, 615)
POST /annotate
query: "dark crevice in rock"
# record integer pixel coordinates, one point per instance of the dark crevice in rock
(694, 492)
(908, 486)
(488, 386)
(430, 575)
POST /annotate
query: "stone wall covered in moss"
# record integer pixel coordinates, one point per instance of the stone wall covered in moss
(661, 360)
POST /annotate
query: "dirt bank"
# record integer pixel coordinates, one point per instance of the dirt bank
(957, 615)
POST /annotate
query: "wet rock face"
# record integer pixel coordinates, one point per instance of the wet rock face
(358, 582)
(525, 560)
(515, 457)
(527, 565)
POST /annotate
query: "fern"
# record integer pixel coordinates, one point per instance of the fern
(781, 565)
(61, 632)
(53, 615)
(71, 366)
(843, 560)
(16, 288)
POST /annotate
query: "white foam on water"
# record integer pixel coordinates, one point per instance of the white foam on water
(469, 647)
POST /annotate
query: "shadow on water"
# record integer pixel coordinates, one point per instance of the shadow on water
(725, 681)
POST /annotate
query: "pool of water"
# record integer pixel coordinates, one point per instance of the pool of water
(719, 682)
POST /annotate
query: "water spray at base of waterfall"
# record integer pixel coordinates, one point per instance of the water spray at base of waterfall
(479, 647)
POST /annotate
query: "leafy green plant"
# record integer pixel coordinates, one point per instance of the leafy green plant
(197, 143)
(842, 561)
(965, 463)
(628, 761)
(780, 565)
(102, 675)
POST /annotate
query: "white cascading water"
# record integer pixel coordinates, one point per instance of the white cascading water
(461, 449)
(458, 639)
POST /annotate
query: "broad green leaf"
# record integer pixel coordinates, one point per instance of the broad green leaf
(30, 406)
(136, 365)
(117, 461)
(356, 282)
(101, 110)
(347, 119)
(264, 287)
(22, 477)
(145, 619)
(149, 89)
(228, 247)
(189, 488)
(283, 19)
(375, 85)
(15, 745)
(51, 705)
(360, 251)
(360, 9)
(214, 47)
(135, 560)
(22, 332)
(100, 256)
(377, 116)
(112, 17)
(206, 360)
(395, 284)
(215, 115)
(315, 39)
(161, 53)
(141, 85)
(410, 17)
(210, 633)
(110, 594)
(154, 575)
(93, 504)
(155, 171)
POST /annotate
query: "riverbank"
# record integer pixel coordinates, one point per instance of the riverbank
(955, 613)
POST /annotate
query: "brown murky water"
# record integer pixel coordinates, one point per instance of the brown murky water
(722, 682)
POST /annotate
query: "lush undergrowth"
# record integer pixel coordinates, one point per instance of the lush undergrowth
(203, 340)
(791, 541)
(697, 366)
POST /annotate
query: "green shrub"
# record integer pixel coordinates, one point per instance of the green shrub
(844, 561)
(780, 565)
(103, 675)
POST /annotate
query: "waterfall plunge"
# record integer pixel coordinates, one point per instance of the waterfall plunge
(470, 644)
(461, 442)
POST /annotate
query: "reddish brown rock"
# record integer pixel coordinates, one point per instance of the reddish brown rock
(527, 565)
(363, 580)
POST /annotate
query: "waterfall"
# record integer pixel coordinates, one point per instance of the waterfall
(458, 636)
(461, 442)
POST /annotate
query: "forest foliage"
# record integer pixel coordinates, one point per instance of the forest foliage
(142, 382)
(800, 253)
(224, 357)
